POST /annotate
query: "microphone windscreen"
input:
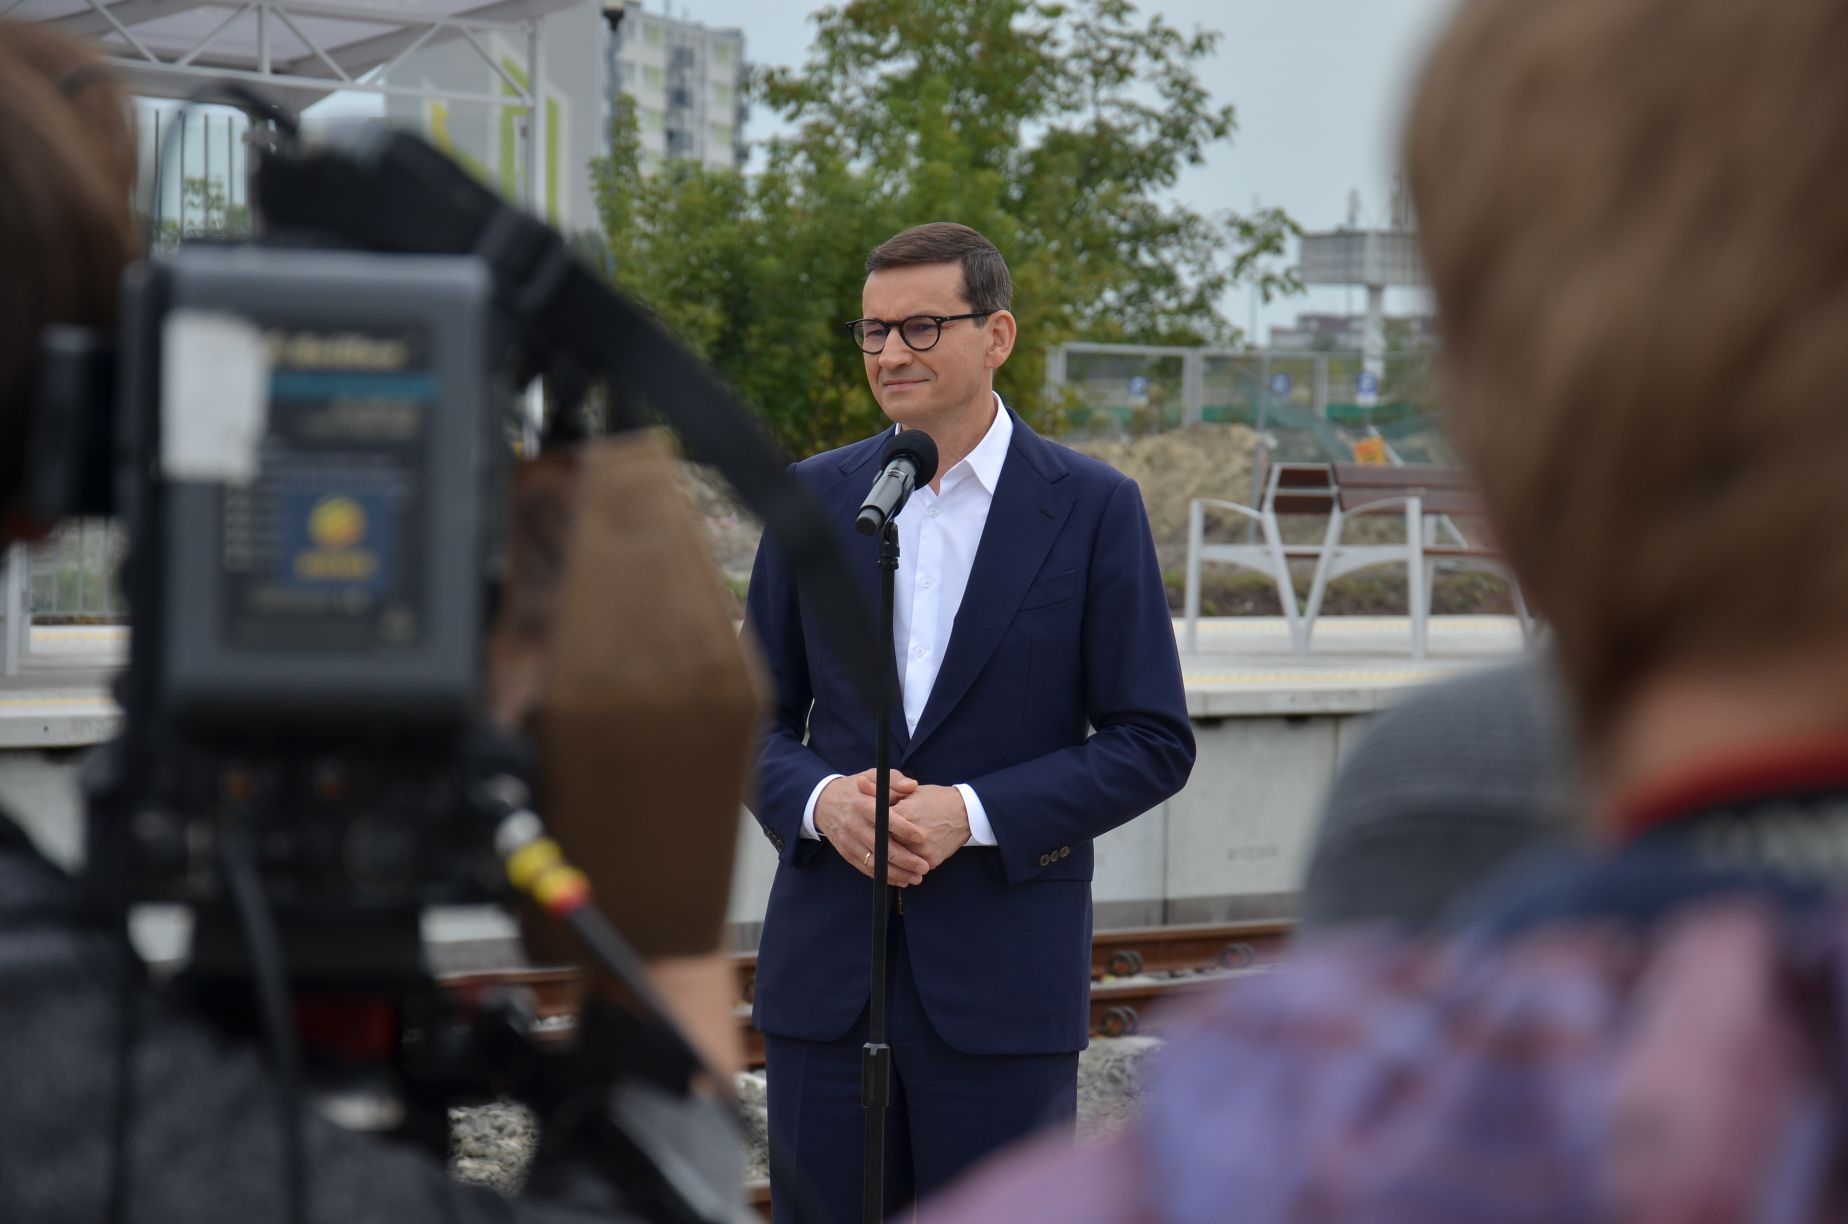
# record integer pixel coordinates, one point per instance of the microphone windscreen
(919, 445)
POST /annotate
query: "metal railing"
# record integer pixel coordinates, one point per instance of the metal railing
(1130, 390)
(71, 575)
(203, 175)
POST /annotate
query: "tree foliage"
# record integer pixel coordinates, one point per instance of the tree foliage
(1057, 129)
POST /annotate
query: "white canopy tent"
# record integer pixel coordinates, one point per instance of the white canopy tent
(299, 52)
(302, 50)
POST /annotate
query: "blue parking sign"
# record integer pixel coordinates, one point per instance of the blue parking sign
(1367, 388)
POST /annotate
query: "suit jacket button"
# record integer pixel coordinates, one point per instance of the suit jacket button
(1045, 860)
(1065, 851)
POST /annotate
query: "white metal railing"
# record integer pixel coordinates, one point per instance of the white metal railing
(1172, 386)
(69, 576)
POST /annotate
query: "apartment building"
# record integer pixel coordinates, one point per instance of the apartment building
(688, 85)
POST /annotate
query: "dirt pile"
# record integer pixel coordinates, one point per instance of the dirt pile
(1174, 468)
(731, 530)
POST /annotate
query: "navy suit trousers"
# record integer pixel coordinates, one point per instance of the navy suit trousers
(948, 1109)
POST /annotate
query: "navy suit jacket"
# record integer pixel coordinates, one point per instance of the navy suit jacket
(1059, 700)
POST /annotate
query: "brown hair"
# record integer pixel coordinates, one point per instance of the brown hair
(986, 284)
(1636, 223)
(67, 168)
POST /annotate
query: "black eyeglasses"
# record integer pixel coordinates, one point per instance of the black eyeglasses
(919, 332)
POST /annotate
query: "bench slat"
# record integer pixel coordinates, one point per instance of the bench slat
(1303, 503)
(1407, 476)
(1435, 501)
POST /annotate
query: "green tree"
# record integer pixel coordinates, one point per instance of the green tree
(1059, 130)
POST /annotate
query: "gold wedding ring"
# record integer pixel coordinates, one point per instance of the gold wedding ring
(869, 858)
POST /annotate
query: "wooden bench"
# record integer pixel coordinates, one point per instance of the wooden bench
(1289, 488)
(1429, 496)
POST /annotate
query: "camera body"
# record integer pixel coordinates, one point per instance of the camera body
(311, 451)
(331, 573)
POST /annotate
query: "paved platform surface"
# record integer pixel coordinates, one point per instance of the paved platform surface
(60, 696)
(1244, 667)
(1356, 664)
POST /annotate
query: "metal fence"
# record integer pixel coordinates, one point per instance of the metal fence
(72, 575)
(200, 165)
(1310, 404)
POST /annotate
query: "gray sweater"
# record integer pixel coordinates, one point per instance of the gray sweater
(1443, 790)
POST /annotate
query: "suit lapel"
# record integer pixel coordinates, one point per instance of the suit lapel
(1024, 519)
(863, 558)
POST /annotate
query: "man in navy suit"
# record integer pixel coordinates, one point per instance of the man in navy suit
(1042, 706)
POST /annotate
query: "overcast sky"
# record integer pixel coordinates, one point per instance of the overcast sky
(1319, 87)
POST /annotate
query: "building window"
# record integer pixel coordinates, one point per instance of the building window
(657, 35)
(721, 134)
(722, 95)
(725, 52)
(653, 77)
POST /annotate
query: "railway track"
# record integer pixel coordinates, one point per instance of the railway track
(1131, 971)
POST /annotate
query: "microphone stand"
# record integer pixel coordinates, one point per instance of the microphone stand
(876, 1056)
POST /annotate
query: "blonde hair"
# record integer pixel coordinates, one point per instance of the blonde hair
(67, 226)
(1635, 216)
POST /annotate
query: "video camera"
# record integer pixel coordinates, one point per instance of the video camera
(310, 438)
(311, 454)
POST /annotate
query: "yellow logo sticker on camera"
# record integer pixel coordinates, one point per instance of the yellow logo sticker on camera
(336, 524)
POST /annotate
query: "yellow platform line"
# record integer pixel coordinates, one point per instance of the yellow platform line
(41, 701)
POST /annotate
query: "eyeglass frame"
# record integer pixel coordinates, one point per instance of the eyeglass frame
(898, 325)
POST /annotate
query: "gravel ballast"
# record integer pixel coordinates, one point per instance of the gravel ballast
(492, 1145)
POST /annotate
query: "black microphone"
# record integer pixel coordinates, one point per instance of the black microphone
(908, 460)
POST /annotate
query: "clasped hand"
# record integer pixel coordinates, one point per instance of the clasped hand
(927, 825)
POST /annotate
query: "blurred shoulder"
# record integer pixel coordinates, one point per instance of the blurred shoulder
(1381, 1059)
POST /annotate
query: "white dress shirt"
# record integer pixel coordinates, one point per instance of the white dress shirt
(938, 533)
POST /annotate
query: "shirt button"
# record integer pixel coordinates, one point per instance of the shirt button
(928, 583)
(918, 652)
(934, 511)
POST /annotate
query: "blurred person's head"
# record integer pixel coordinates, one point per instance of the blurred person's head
(939, 373)
(1636, 223)
(67, 227)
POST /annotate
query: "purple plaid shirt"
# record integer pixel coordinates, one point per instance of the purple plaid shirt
(1582, 1072)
